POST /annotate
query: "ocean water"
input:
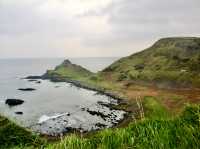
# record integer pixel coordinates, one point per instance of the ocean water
(49, 99)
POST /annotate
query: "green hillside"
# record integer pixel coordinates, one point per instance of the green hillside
(170, 62)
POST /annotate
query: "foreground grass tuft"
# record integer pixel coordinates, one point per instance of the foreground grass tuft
(13, 135)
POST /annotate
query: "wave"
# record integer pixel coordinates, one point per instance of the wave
(44, 118)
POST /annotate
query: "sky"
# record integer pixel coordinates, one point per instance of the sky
(91, 28)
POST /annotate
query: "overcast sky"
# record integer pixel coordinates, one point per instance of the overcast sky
(91, 28)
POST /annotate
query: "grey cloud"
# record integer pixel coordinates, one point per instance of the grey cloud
(131, 26)
(137, 21)
(20, 19)
(158, 16)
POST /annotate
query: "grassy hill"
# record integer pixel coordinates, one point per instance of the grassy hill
(67, 70)
(170, 62)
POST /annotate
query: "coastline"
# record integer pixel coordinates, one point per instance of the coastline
(79, 84)
(120, 103)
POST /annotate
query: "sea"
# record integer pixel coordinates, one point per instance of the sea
(49, 100)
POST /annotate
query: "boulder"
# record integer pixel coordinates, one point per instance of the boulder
(26, 89)
(19, 113)
(14, 102)
(32, 80)
(33, 77)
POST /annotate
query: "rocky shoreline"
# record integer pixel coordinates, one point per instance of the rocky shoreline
(93, 118)
(106, 114)
(78, 84)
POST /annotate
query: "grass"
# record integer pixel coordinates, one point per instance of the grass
(171, 61)
(14, 135)
(154, 109)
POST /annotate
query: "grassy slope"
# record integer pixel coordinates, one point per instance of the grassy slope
(13, 135)
(169, 62)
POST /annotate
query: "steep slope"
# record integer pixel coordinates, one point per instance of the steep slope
(170, 62)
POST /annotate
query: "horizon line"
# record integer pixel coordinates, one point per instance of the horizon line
(59, 57)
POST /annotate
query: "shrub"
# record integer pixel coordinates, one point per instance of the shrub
(191, 114)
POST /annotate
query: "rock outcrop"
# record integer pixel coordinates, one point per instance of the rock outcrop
(14, 102)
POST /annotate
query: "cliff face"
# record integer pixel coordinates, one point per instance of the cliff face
(170, 62)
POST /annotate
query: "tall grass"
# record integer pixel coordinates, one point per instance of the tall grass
(179, 133)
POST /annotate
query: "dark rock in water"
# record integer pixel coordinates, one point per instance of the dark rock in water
(19, 113)
(31, 80)
(26, 89)
(14, 102)
(33, 77)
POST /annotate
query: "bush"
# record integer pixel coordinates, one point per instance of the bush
(191, 114)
